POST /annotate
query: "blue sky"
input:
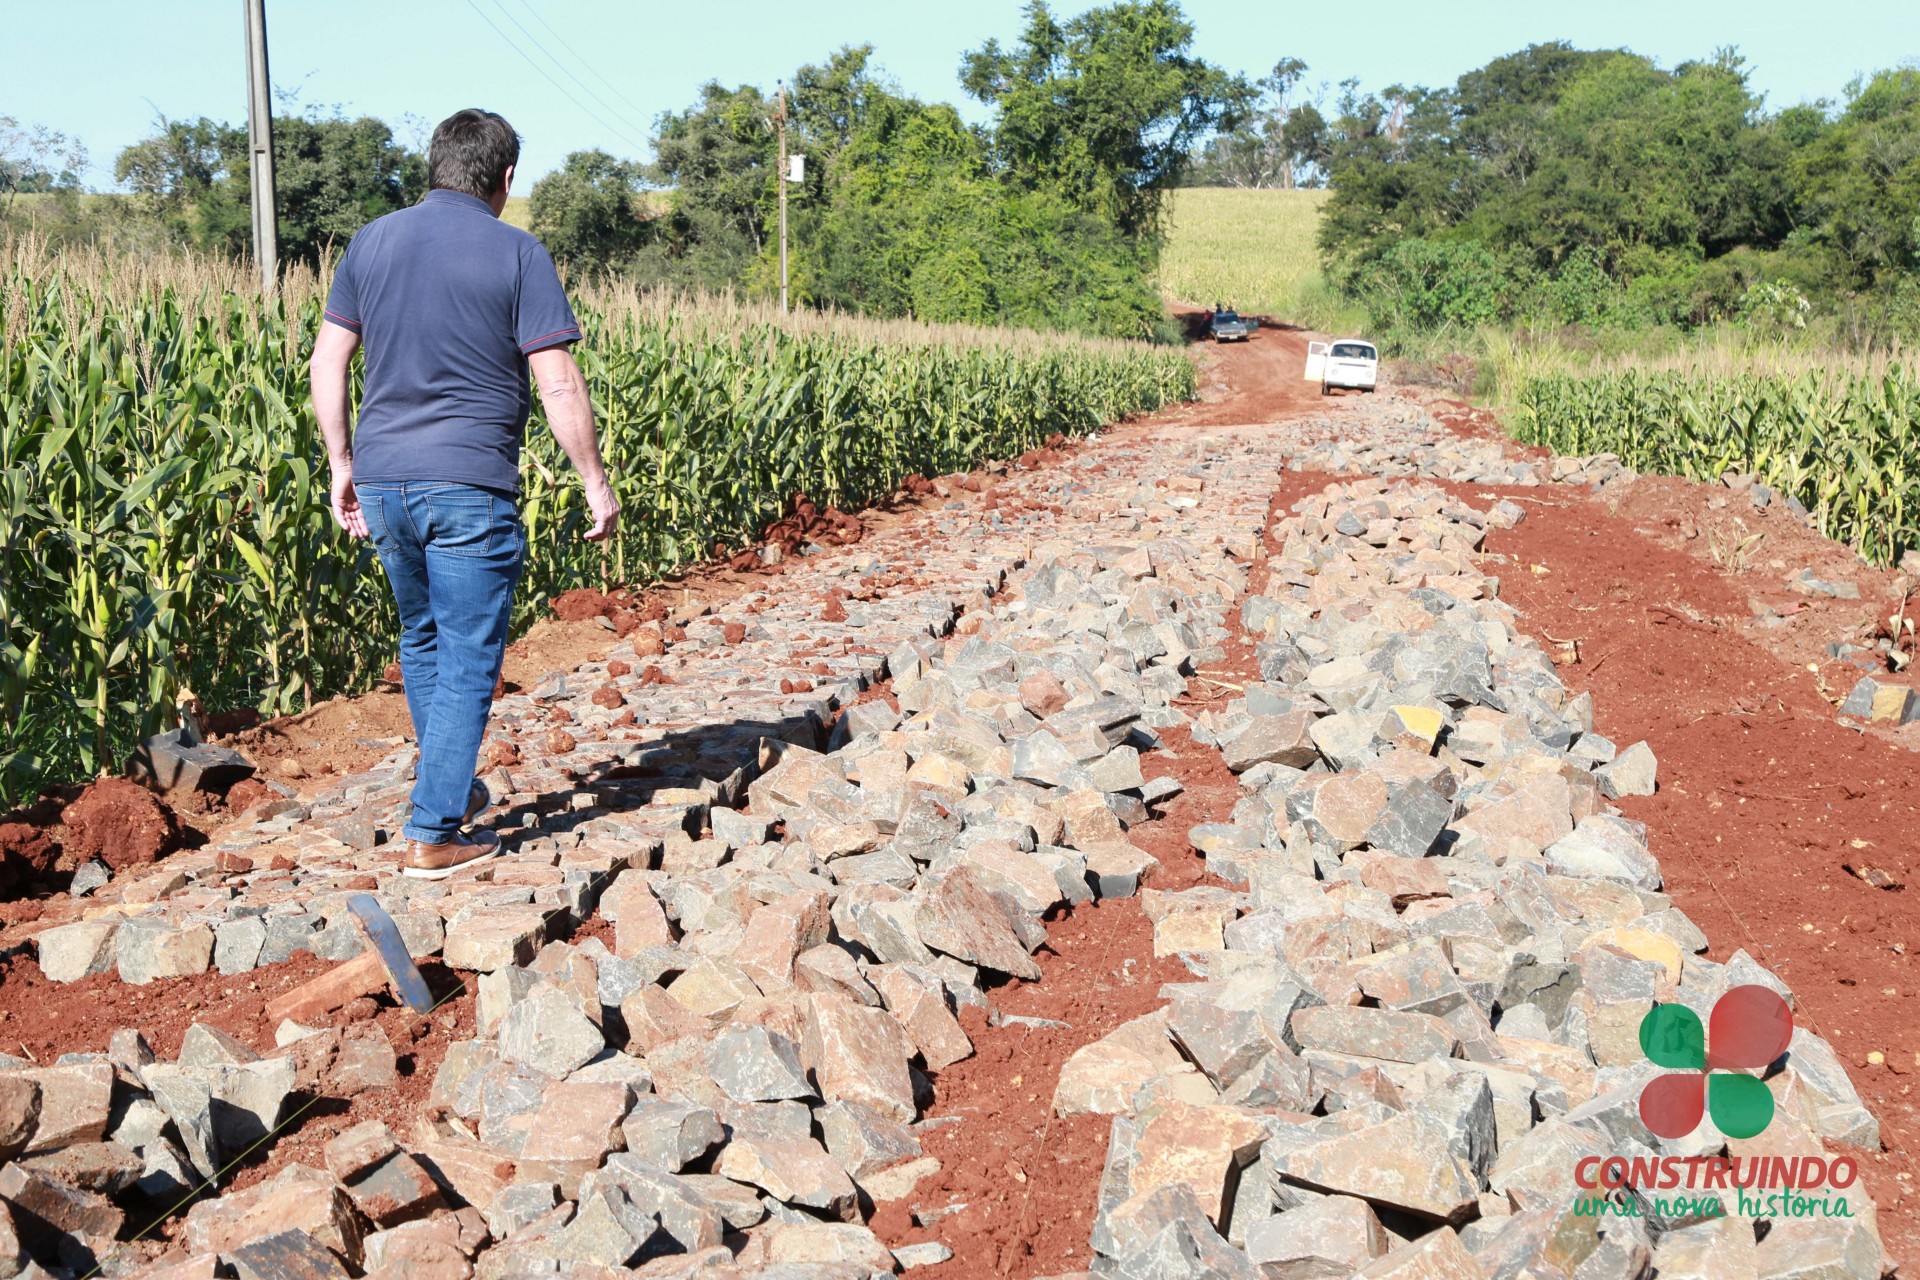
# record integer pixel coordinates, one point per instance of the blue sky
(102, 69)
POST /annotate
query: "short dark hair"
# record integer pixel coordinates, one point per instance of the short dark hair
(471, 151)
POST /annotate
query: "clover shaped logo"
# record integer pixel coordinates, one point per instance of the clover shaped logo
(1748, 1028)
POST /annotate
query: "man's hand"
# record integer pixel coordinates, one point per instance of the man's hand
(605, 508)
(346, 503)
(563, 390)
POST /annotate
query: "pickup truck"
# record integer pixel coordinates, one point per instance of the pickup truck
(1227, 326)
(1344, 362)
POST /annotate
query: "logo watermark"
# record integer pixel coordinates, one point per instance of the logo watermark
(1747, 1030)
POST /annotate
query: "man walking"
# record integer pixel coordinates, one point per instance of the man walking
(453, 306)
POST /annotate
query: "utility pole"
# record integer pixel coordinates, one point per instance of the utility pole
(266, 237)
(780, 126)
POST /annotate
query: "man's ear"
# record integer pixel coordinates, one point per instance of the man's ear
(506, 182)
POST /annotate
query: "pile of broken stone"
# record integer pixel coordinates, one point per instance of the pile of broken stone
(736, 1079)
(1419, 1011)
(1406, 444)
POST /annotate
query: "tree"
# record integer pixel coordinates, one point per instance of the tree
(1279, 144)
(1105, 109)
(333, 176)
(588, 212)
(36, 159)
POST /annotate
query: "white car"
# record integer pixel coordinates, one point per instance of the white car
(1344, 362)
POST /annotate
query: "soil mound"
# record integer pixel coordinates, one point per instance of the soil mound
(121, 823)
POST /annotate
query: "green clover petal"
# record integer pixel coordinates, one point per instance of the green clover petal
(1741, 1106)
(1671, 1036)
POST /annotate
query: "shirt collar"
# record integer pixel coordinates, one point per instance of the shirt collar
(446, 195)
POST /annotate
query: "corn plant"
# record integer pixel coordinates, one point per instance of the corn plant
(1840, 443)
(164, 517)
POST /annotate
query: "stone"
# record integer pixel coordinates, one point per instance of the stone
(298, 1198)
(237, 944)
(1283, 739)
(754, 1064)
(221, 1111)
(652, 1018)
(1404, 1163)
(145, 950)
(1630, 773)
(1329, 1239)
(19, 1114)
(928, 1253)
(1200, 1147)
(865, 1140)
(694, 1221)
(1881, 702)
(1223, 1043)
(918, 1002)
(856, 1054)
(394, 1189)
(40, 1202)
(639, 920)
(359, 1149)
(670, 1133)
(285, 1255)
(75, 1103)
(796, 1171)
(605, 1230)
(578, 1122)
(1606, 847)
(1374, 1033)
(431, 1249)
(961, 916)
(1102, 1078)
(1116, 870)
(475, 1173)
(70, 952)
(489, 938)
(777, 933)
(548, 1032)
(1042, 694)
(176, 760)
(515, 1207)
(713, 988)
(1438, 1255)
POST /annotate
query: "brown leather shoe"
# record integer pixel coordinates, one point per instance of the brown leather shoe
(438, 861)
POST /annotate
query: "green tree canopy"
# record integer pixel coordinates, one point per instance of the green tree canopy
(1105, 108)
(332, 177)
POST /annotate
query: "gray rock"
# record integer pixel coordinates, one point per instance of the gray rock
(1606, 847)
(1631, 773)
(753, 1064)
(548, 1032)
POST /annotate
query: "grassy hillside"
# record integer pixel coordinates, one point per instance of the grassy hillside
(1253, 250)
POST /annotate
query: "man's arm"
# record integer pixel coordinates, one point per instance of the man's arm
(328, 373)
(563, 392)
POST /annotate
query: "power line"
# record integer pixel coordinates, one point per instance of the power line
(591, 113)
(585, 88)
(591, 69)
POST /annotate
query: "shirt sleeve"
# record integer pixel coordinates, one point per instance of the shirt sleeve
(544, 318)
(343, 299)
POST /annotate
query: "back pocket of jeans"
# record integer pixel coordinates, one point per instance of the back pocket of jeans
(460, 522)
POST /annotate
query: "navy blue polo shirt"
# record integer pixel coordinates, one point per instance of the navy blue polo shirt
(449, 302)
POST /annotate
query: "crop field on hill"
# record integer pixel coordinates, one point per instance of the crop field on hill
(163, 489)
(1253, 250)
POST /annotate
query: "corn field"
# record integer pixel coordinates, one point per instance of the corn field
(164, 519)
(1843, 444)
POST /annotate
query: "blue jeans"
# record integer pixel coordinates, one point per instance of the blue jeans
(453, 555)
